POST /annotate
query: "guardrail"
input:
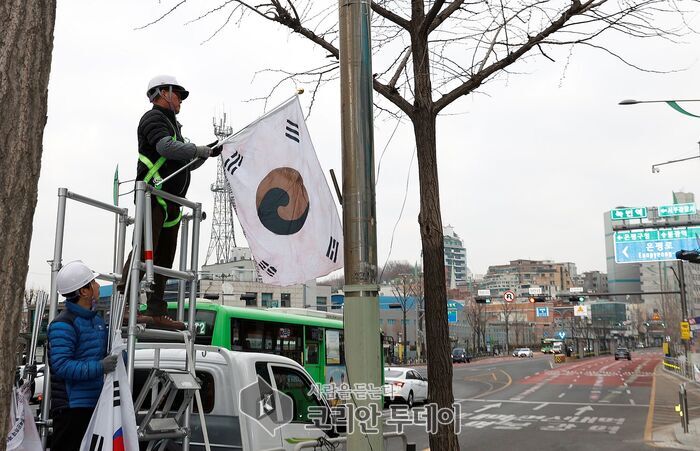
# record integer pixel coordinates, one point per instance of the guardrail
(680, 367)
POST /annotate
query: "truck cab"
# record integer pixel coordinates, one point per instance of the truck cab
(251, 401)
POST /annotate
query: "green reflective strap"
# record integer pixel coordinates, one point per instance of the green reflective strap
(153, 174)
(152, 168)
(173, 222)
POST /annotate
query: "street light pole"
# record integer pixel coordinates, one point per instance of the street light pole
(361, 310)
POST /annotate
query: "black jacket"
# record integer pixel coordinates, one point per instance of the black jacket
(155, 125)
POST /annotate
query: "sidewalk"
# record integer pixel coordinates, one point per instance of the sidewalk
(664, 429)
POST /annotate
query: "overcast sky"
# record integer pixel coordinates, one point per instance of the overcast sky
(528, 165)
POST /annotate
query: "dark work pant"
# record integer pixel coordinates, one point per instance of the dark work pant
(164, 246)
(69, 426)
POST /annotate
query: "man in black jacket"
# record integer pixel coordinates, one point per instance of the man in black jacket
(163, 151)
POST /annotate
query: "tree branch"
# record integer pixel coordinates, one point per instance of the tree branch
(428, 19)
(477, 79)
(390, 16)
(444, 15)
(393, 96)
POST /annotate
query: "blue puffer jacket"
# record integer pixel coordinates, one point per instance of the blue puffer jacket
(77, 345)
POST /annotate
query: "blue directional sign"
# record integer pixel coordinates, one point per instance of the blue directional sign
(654, 245)
(561, 334)
(452, 316)
(542, 312)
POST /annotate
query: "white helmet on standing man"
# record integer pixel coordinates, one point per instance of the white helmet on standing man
(165, 81)
(74, 276)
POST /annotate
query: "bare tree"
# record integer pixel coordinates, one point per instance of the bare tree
(507, 309)
(26, 42)
(429, 54)
(401, 287)
(393, 269)
(477, 322)
(336, 282)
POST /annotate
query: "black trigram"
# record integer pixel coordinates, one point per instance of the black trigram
(332, 252)
(292, 131)
(116, 396)
(268, 268)
(233, 162)
(96, 442)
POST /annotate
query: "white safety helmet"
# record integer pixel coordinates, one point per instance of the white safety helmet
(165, 81)
(73, 276)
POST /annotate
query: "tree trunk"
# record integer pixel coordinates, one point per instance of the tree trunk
(26, 42)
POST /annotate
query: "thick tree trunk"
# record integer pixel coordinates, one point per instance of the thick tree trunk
(26, 42)
(437, 331)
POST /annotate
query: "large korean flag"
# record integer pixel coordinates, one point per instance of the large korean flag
(282, 198)
(113, 423)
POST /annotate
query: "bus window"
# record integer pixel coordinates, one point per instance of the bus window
(312, 353)
(204, 324)
(273, 338)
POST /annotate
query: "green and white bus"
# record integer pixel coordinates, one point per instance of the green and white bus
(313, 339)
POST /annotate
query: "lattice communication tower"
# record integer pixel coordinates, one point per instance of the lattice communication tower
(223, 239)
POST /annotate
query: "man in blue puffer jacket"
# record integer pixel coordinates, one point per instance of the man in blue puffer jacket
(77, 356)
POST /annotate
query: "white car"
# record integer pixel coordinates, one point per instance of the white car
(406, 385)
(523, 352)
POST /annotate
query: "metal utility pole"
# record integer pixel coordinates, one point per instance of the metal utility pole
(684, 317)
(361, 310)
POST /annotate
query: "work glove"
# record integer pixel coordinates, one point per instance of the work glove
(203, 152)
(215, 152)
(109, 363)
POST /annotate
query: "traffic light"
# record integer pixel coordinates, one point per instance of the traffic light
(691, 256)
(573, 299)
(534, 299)
(482, 300)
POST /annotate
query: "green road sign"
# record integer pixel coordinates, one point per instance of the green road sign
(666, 211)
(657, 234)
(619, 214)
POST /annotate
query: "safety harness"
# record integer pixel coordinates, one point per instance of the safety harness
(153, 174)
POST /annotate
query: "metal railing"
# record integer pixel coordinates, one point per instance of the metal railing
(679, 366)
(142, 235)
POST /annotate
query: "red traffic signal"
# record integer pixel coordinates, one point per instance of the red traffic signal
(534, 299)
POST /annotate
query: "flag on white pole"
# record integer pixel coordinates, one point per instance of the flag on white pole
(23, 435)
(113, 423)
(282, 198)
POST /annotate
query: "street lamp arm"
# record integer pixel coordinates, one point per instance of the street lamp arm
(672, 103)
(634, 102)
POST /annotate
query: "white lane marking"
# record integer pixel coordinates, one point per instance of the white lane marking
(561, 395)
(555, 403)
(544, 404)
(580, 410)
(571, 385)
(632, 401)
(490, 406)
(628, 392)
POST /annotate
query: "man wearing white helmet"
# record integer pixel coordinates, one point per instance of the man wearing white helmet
(162, 152)
(77, 356)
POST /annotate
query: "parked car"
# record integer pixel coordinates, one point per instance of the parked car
(460, 355)
(523, 352)
(623, 353)
(640, 345)
(405, 385)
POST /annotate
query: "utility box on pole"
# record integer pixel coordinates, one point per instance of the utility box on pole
(361, 310)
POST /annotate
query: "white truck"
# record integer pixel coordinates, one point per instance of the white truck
(229, 381)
